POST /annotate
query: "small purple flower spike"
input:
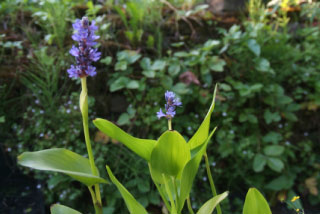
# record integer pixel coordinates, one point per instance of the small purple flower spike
(170, 106)
(85, 54)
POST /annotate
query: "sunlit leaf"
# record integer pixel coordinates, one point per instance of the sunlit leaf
(255, 203)
(61, 160)
(61, 209)
(142, 147)
(209, 206)
(133, 206)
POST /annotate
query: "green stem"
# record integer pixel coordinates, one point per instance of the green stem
(175, 192)
(213, 188)
(85, 118)
(189, 206)
(163, 196)
(94, 201)
(169, 124)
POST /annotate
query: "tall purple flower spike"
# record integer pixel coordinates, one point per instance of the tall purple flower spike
(170, 107)
(85, 54)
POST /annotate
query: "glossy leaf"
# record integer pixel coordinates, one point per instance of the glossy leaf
(61, 209)
(255, 203)
(209, 206)
(190, 170)
(133, 206)
(61, 160)
(202, 133)
(142, 147)
(170, 154)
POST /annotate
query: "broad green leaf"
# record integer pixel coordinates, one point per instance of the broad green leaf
(255, 203)
(170, 154)
(123, 119)
(273, 150)
(61, 209)
(209, 206)
(133, 84)
(158, 65)
(190, 171)
(120, 83)
(133, 206)
(142, 147)
(202, 133)
(259, 162)
(263, 65)
(276, 164)
(282, 182)
(254, 46)
(61, 160)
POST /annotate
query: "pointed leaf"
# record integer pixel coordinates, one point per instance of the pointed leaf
(190, 170)
(61, 209)
(61, 160)
(142, 147)
(170, 154)
(202, 133)
(255, 203)
(133, 206)
(209, 206)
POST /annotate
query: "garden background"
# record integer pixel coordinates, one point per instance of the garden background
(265, 56)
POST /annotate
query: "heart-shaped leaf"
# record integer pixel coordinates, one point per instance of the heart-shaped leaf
(142, 147)
(61, 160)
(209, 206)
(202, 133)
(255, 203)
(170, 154)
(134, 207)
(61, 209)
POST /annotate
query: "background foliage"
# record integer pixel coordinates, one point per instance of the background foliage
(266, 61)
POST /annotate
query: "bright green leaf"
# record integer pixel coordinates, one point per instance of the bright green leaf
(107, 60)
(133, 206)
(209, 206)
(255, 203)
(254, 47)
(133, 84)
(142, 147)
(158, 65)
(119, 83)
(61, 209)
(123, 119)
(202, 133)
(170, 154)
(149, 74)
(61, 160)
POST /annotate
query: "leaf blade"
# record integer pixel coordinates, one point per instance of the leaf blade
(208, 207)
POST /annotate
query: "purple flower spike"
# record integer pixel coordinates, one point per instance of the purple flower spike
(85, 54)
(170, 106)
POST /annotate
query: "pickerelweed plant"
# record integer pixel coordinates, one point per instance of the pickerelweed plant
(173, 162)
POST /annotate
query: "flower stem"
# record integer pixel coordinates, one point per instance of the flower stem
(189, 206)
(84, 112)
(213, 188)
(169, 124)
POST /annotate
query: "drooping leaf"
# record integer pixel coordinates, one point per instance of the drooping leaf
(133, 206)
(170, 154)
(209, 206)
(61, 160)
(190, 170)
(142, 147)
(255, 203)
(61, 209)
(202, 133)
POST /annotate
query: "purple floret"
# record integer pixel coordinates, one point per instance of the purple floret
(85, 54)
(170, 106)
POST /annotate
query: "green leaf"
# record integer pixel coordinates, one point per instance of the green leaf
(121, 66)
(259, 162)
(142, 147)
(255, 203)
(263, 65)
(254, 46)
(202, 133)
(133, 206)
(275, 163)
(107, 60)
(170, 154)
(271, 117)
(209, 206)
(149, 74)
(190, 170)
(61, 160)
(133, 84)
(158, 65)
(120, 83)
(216, 64)
(61, 209)
(273, 150)
(272, 137)
(123, 119)
(282, 182)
